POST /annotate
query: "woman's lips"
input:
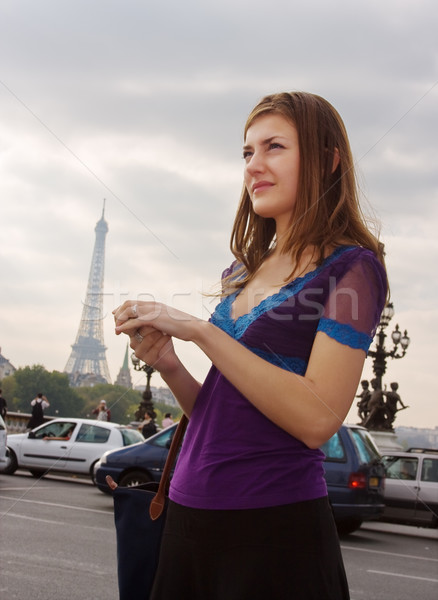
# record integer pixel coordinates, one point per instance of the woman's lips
(261, 186)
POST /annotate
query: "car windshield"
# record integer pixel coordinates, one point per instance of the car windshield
(365, 445)
(130, 436)
(164, 439)
(334, 449)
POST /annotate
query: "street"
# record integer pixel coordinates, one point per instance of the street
(57, 541)
(383, 565)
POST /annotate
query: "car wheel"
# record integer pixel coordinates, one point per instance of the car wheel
(92, 473)
(134, 478)
(348, 526)
(12, 464)
(37, 472)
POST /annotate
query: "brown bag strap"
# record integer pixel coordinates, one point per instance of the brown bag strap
(157, 505)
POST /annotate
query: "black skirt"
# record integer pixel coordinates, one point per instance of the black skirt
(289, 552)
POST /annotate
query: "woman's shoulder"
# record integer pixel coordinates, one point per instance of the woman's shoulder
(360, 268)
(353, 266)
(231, 269)
(350, 256)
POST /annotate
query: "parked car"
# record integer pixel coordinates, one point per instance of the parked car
(140, 463)
(354, 472)
(4, 459)
(355, 477)
(67, 445)
(411, 491)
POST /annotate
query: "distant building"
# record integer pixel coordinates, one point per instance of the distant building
(164, 395)
(6, 368)
(161, 394)
(419, 437)
(78, 379)
(124, 376)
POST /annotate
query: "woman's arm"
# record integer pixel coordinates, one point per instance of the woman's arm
(310, 407)
(184, 387)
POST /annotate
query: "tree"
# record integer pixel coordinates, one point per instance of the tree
(161, 409)
(64, 401)
(118, 399)
(21, 387)
(9, 390)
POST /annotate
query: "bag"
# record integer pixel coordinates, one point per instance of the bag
(37, 415)
(37, 412)
(139, 516)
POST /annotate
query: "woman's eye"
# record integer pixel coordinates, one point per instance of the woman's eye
(246, 154)
(274, 145)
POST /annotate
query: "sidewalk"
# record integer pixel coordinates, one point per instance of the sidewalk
(422, 532)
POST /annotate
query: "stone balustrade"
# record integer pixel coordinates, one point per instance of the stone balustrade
(16, 422)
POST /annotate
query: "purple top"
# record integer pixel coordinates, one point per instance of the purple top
(233, 457)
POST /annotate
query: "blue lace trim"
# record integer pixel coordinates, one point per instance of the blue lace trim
(222, 315)
(288, 363)
(345, 334)
(221, 318)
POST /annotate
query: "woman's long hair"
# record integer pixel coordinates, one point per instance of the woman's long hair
(327, 211)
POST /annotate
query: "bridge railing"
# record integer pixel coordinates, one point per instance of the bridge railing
(16, 422)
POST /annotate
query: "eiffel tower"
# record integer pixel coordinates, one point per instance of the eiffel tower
(87, 363)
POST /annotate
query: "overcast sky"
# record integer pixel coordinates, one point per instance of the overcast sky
(143, 103)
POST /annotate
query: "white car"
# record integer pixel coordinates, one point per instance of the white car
(4, 460)
(411, 489)
(67, 445)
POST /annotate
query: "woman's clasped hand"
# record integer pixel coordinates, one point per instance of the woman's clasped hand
(151, 326)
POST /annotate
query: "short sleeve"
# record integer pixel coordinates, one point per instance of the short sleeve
(234, 271)
(355, 302)
(229, 270)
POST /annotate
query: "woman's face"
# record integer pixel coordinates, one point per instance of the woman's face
(272, 163)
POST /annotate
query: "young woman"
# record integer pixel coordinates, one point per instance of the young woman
(249, 516)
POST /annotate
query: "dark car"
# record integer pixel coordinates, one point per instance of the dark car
(136, 464)
(355, 477)
(354, 473)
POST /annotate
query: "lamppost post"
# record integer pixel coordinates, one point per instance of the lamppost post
(377, 408)
(380, 354)
(146, 405)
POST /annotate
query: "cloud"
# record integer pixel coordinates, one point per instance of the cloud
(144, 104)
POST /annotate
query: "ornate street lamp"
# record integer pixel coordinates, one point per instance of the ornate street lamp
(380, 354)
(146, 405)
